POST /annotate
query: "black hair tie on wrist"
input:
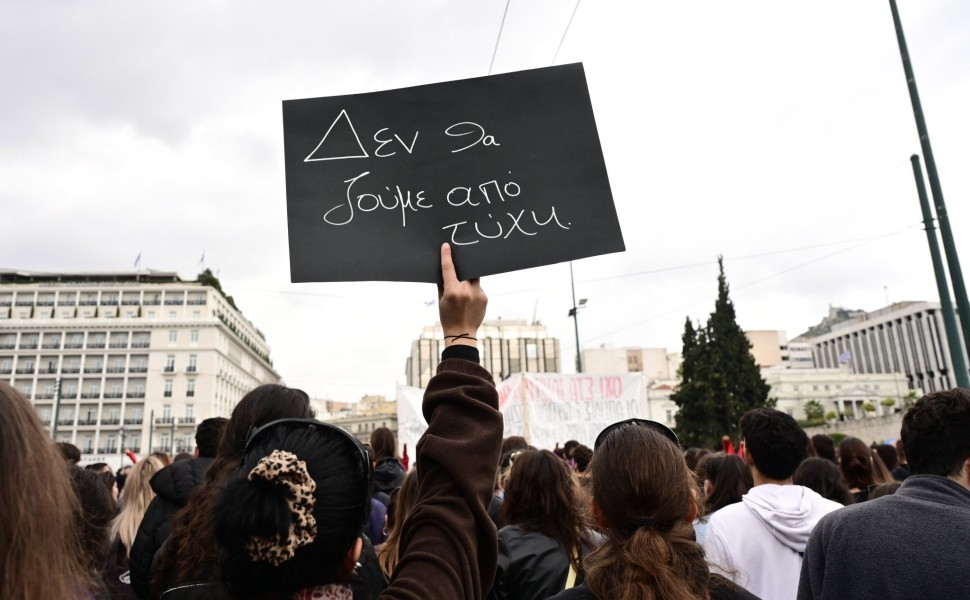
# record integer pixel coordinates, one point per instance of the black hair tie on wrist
(462, 336)
(654, 524)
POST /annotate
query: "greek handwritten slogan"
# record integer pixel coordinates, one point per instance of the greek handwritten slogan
(506, 168)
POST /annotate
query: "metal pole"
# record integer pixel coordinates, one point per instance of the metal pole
(57, 409)
(946, 305)
(151, 431)
(575, 314)
(956, 274)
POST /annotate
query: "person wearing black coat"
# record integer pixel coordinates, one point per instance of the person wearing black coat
(173, 487)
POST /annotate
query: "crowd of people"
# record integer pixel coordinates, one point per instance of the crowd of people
(277, 505)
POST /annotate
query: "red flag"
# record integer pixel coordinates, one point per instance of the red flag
(727, 444)
(131, 455)
(405, 459)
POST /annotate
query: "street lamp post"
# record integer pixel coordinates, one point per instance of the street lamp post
(574, 313)
(122, 432)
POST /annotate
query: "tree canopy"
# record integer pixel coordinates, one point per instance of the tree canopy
(720, 380)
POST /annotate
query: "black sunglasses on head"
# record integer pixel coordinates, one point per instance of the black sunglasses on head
(660, 428)
(313, 424)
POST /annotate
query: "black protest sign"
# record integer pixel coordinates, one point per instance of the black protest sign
(507, 168)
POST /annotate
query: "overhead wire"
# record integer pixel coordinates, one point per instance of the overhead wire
(499, 37)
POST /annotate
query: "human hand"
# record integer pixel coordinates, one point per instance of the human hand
(461, 304)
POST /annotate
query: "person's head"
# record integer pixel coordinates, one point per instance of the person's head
(880, 472)
(110, 483)
(726, 478)
(40, 550)
(542, 496)
(568, 447)
(93, 520)
(291, 516)
(936, 435)
(513, 443)
(824, 446)
(164, 457)
(70, 452)
(856, 463)
(180, 457)
(644, 498)
(383, 443)
(193, 546)
(773, 443)
(888, 455)
(402, 501)
(823, 476)
(693, 457)
(207, 436)
(134, 503)
(99, 467)
(582, 455)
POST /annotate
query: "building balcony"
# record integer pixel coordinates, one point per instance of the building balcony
(87, 422)
(44, 396)
(25, 371)
(6, 371)
(95, 345)
(169, 368)
(67, 303)
(137, 369)
(24, 303)
(187, 421)
(88, 302)
(48, 371)
(45, 422)
(133, 421)
(108, 450)
(135, 395)
(5, 303)
(164, 449)
(45, 303)
(110, 421)
(171, 302)
(87, 450)
(68, 421)
(51, 346)
(90, 395)
(140, 344)
(131, 302)
(167, 393)
(109, 302)
(197, 302)
(28, 346)
(190, 393)
(122, 345)
(164, 420)
(69, 395)
(191, 369)
(97, 369)
(116, 369)
(7, 346)
(135, 449)
(151, 302)
(71, 370)
(73, 345)
(113, 395)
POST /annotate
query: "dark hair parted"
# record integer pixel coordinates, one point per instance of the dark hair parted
(383, 442)
(582, 455)
(70, 452)
(639, 474)
(245, 508)
(40, 551)
(730, 479)
(541, 495)
(936, 433)
(192, 554)
(856, 463)
(775, 442)
(823, 476)
(208, 434)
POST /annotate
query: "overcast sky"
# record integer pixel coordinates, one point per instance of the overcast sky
(775, 133)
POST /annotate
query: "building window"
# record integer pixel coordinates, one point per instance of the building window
(170, 363)
(173, 336)
(166, 411)
(171, 315)
(194, 336)
(190, 411)
(192, 363)
(670, 416)
(168, 389)
(190, 388)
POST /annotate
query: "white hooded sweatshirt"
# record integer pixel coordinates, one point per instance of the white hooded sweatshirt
(759, 541)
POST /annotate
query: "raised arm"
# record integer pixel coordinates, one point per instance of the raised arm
(448, 544)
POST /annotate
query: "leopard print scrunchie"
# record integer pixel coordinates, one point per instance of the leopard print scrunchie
(285, 469)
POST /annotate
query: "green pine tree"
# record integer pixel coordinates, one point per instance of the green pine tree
(719, 379)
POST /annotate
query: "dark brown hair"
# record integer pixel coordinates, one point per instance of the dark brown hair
(383, 442)
(730, 479)
(936, 433)
(644, 494)
(543, 496)
(39, 546)
(191, 550)
(856, 463)
(823, 476)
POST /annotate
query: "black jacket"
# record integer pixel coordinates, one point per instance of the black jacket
(531, 565)
(173, 486)
(720, 589)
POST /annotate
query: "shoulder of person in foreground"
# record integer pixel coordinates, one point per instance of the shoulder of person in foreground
(448, 543)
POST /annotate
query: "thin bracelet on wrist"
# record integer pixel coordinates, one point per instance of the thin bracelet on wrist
(461, 336)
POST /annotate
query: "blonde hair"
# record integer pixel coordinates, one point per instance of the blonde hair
(135, 500)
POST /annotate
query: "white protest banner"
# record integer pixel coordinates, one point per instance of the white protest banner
(410, 419)
(547, 408)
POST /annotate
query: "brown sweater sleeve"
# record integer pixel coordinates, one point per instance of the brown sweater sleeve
(448, 544)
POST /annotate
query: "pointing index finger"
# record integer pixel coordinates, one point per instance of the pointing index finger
(448, 275)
